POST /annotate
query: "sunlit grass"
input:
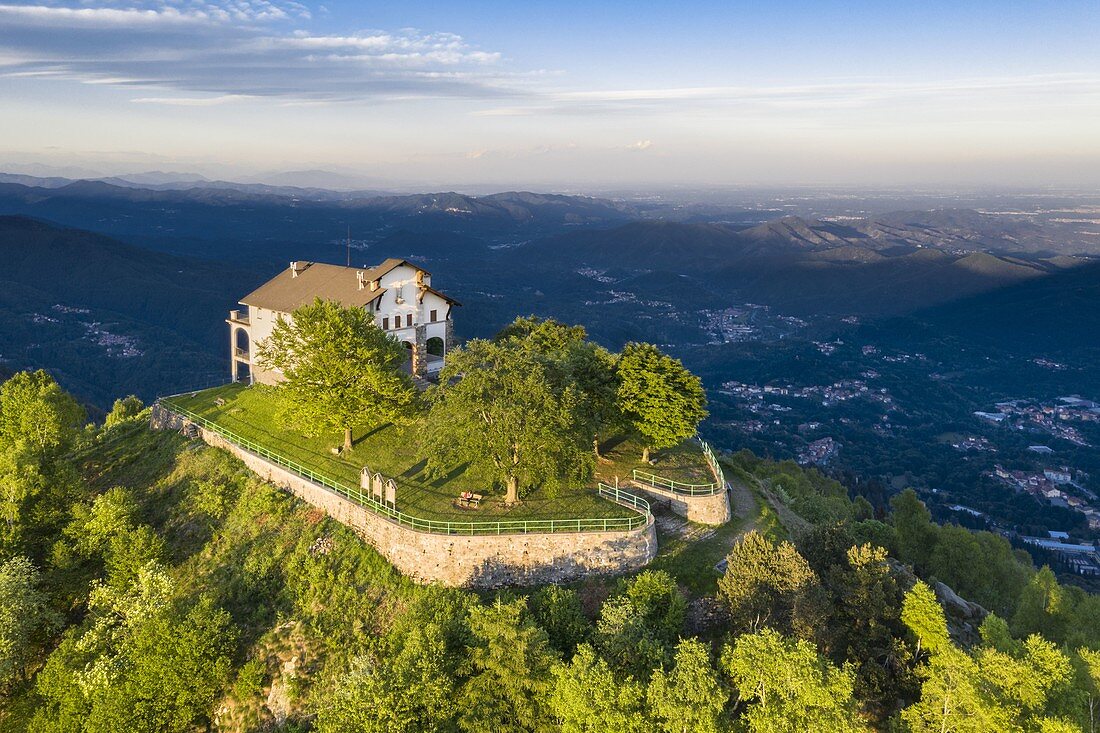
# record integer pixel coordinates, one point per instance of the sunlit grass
(394, 451)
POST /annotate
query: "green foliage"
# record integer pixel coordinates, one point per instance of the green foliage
(788, 686)
(576, 362)
(508, 671)
(38, 423)
(36, 415)
(916, 533)
(542, 335)
(558, 612)
(589, 698)
(980, 566)
(394, 691)
(769, 584)
(125, 408)
(663, 401)
(690, 697)
(25, 618)
(510, 417)
(137, 663)
(107, 530)
(639, 625)
(924, 616)
(1043, 607)
(195, 564)
(341, 371)
(865, 627)
(991, 689)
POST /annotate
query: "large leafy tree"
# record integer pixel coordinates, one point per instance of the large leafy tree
(769, 584)
(503, 411)
(508, 671)
(558, 611)
(789, 687)
(341, 371)
(25, 615)
(640, 624)
(661, 399)
(589, 698)
(690, 698)
(37, 416)
(865, 626)
(38, 422)
(392, 691)
(137, 662)
(586, 366)
(916, 534)
(1004, 684)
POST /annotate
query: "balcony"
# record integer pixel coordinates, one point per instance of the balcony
(239, 317)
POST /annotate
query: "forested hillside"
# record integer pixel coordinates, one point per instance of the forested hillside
(150, 583)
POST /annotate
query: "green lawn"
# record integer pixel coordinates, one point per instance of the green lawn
(395, 452)
(684, 463)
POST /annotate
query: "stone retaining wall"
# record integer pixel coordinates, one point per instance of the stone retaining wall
(484, 561)
(713, 509)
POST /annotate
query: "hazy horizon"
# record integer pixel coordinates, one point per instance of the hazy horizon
(491, 94)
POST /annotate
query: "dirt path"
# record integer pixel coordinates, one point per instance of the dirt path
(742, 502)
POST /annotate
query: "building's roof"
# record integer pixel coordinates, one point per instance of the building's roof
(286, 292)
(430, 289)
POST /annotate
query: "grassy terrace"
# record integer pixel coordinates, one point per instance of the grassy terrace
(684, 463)
(394, 451)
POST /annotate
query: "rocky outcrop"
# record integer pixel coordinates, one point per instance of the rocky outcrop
(964, 618)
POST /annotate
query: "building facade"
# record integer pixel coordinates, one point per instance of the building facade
(398, 293)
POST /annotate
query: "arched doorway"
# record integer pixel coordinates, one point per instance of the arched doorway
(435, 346)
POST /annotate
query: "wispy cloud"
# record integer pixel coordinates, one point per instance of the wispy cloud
(193, 101)
(235, 49)
(840, 95)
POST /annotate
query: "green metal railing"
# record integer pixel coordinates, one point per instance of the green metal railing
(682, 487)
(489, 527)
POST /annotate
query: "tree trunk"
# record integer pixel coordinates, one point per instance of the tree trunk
(645, 454)
(512, 495)
(347, 439)
(596, 446)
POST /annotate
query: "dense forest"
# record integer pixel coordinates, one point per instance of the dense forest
(150, 583)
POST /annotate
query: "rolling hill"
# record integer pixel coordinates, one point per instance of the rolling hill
(109, 318)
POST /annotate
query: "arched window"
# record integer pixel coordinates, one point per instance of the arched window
(435, 346)
(240, 342)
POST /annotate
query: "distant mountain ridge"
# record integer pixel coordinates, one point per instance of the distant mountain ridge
(802, 266)
(518, 205)
(952, 230)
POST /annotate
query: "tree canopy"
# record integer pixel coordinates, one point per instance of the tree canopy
(503, 411)
(340, 370)
(663, 401)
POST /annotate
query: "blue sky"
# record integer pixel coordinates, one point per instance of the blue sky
(563, 95)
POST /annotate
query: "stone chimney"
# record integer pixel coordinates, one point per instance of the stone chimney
(361, 277)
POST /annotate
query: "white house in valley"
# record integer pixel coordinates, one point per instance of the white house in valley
(397, 292)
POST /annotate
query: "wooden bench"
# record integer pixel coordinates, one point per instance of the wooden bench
(472, 501)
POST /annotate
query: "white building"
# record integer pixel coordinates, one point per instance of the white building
(397, 292)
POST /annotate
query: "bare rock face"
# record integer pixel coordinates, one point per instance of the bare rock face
(964, 618)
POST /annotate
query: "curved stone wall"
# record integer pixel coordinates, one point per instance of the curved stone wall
(711, 509)
(483, 561)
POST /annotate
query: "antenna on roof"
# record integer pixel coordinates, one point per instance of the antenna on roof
(349, 245)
